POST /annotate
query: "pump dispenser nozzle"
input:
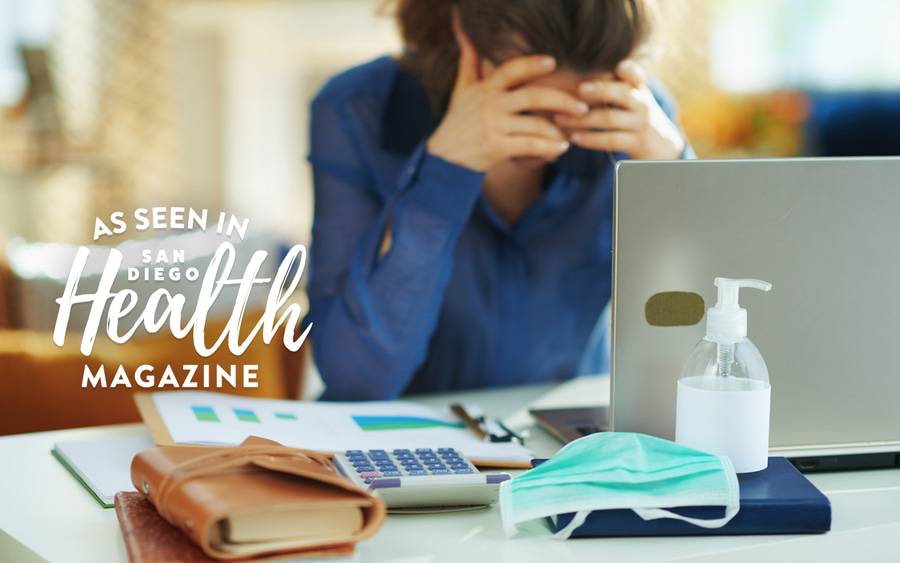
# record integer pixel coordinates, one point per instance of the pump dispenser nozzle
(726, 323)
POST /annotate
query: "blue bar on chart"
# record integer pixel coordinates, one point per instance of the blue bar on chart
(204, 414)
(245, 415)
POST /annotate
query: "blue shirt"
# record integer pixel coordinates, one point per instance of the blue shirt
(461, 299)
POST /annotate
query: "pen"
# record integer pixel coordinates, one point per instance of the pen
(473, 425)
(486, 428)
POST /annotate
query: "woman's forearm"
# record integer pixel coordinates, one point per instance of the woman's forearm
(372, 327)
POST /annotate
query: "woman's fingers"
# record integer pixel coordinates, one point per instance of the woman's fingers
(610, 92)
(612, 141)
(600, 118)
(519, 70)
(527, 146)
(534, 126)
(632, 73)
(539, 98)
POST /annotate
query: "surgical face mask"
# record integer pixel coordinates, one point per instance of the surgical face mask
(614, 470)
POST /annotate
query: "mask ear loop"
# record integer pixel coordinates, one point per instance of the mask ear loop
(731, 508)
(576, 522)
(656, 513)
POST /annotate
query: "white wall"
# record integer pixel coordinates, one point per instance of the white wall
(262, 62)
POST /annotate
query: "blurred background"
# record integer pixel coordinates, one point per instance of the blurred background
(111, 104)
(107, 104)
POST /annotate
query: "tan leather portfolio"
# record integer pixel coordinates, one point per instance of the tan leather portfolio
(259, 498)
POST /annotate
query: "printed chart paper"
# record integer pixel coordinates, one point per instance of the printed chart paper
(220, 419)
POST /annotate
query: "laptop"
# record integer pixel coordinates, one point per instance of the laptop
(826, 234)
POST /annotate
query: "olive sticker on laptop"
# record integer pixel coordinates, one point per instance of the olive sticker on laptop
(674, 308)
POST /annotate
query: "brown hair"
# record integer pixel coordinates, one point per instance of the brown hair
(583, 35)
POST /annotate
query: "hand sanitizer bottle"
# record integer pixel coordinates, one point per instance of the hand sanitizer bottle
(724, 392)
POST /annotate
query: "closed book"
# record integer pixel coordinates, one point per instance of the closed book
(150, 539)
(777, 500)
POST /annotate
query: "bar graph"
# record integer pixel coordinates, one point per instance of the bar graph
(370, 423)
(206, 413)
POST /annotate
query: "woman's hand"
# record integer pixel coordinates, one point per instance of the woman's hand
(486, 121)
(625, 118)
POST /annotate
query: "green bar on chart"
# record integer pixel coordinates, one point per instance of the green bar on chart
(204, 414)
(246, 415)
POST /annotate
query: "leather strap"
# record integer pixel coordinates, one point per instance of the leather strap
(224, 460)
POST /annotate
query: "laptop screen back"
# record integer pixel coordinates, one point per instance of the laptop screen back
(824, 232)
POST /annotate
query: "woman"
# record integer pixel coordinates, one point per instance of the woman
(462, 233)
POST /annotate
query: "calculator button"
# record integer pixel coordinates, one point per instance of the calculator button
(368, 480)
(418, 472)
(423, 450)
(462, 470)
(459, 466)
(378, 454)
(391, 473)
(440, 471)
(354, 452)
(365, 474)
(402, 452)
(446, 450)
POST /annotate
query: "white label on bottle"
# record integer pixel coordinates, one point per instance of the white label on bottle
(725, 416)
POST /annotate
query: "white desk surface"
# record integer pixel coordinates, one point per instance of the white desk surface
(44, 512)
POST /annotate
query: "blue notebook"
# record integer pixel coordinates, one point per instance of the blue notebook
(778, 500)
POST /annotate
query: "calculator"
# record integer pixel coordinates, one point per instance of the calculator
(420, 478)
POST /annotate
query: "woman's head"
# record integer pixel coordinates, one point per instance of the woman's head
(584, 36)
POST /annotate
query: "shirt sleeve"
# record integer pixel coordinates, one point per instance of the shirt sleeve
(374, 315)
(667, 103)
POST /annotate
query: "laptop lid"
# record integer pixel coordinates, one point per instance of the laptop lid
(824, 232)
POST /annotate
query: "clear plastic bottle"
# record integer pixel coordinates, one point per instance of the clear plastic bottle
(724, 392)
